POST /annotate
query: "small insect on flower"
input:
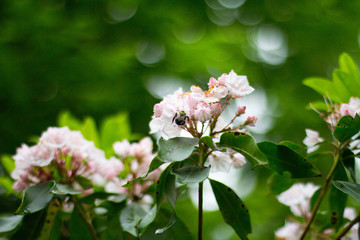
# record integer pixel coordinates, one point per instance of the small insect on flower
(180, 119)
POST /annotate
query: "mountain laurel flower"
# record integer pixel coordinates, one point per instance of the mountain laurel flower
(312, 138)
(60, 155)
(240, 110)
(352, 108)
(298, 198)
(250, 121)
(133, 161)
(182, 112)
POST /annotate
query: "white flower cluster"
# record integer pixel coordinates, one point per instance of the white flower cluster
(135, 158)
(298, 199)
(184, 110)
(60, 152)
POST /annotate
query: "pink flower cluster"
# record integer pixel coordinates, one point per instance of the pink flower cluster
(61, 154)
(190, 111)
(352, 108)
(135, 159)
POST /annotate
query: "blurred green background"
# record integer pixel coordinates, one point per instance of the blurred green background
(97, 58)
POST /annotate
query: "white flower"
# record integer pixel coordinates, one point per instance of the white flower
(203, 112)
(352, 108)
(122, 148)
(220, 161)
(238, 160)
(291, 231)
(312, 138)
(238, 86)
(298, 198)
(55, 137)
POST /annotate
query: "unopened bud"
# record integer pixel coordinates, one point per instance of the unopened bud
(250, 121)
(241, 110)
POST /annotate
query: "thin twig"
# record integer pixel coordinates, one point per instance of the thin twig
(321, 196)
(348, 227)
(85, 218)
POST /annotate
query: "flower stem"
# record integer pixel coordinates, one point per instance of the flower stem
(321, 196)
(348, 227)
(200, 211)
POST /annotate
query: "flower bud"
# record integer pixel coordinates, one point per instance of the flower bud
(250, 121)
(240, 110)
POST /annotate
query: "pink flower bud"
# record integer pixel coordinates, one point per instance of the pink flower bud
(215, 109)
(250, 121)
(241, 110)
(158, 108)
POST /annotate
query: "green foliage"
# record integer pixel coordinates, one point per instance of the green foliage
(134, 219)
(9, 223)
(176, 149)
(337, 198)
(191, 174)
(282, 159)
(347, 127)
(344, 84)
(278, 183)
(232, 209)
(78, 228)
(36, 198)
(246, 145)
(7, 163)
(62, 189)
(350, 188)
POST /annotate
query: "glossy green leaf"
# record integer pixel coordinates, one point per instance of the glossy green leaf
(7, 163)
(232, 209)
(166, 186)
(350, 188)
(50, 226)
(349, 82)
(323, 86)
(279, 183)
(348, 65)
(337, 198)
(176, 149)
(155, 163)
(84, 182)
(191, 174)
(9, 223)
(130, 218)
(282, 159)
(30, 226)
(208, 141)
(347, 127)
(246, 145)
(78, 228)
(148, 218)
(62, 189)
(178, 232)
(65, 119)
(293, 146)
(341, 90)
(36, 198)
(89, 131)
(114, 128)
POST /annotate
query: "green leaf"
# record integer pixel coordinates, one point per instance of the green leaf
(176, 149)
(208, 141)
(282, 158)
(323, 86)
(7, 184)
(62, 189)
(89, 131)
(36, 198)
(232, 209)
(348, 65)
(347, 127)
(337, 198)
(293, 146)
(178, 232)
(155, 163)
(349, 82)
(78, 228)
(114, 128)
(279, 183)
(84, 182)
(350, 188)
(246, 145)
(341, 89)
(49, 225)
(148, 218)
(9, 223)
(66, 119)
(191, 174)
(166, 186)
(130, 218)
(8, 163)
